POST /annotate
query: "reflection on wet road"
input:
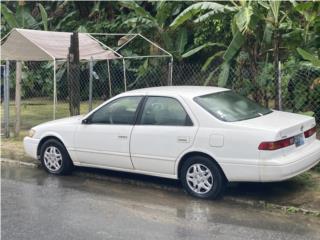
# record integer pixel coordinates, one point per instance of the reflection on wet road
(36, 205)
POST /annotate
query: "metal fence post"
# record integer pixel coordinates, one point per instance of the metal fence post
(124, 75)
(6, 92)
(54, 89)
(170, 72)
(90, 82)
(279, 89)
(19, 69)
(109, 79)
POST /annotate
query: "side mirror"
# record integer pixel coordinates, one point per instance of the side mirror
(85, 121)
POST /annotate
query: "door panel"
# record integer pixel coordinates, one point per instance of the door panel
(164, 131)
(156, 148)
(104, 145)
(104, 139)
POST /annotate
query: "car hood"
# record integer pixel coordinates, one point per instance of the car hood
(285, 123)
(68, 120)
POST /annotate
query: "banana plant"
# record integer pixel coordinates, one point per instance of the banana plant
(309, 50)
(242, 13)
(313, 59)
(144, 21)
(22, 17)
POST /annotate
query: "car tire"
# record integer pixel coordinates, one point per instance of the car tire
(55, 158)
(201, 177)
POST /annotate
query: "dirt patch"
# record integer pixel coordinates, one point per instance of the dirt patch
(13, 149)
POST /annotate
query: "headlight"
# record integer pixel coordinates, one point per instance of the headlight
(32, 132)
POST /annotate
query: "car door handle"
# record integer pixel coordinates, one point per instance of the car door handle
(122, 137)
(183, 139)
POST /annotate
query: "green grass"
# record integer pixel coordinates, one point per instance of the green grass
(36, 111)
(33, 112)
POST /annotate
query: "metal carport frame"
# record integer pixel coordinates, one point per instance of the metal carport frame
(31, 39)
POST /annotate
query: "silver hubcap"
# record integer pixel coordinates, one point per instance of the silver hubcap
(199, 178)
(52, 158)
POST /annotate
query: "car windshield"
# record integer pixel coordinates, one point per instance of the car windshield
(231, 107)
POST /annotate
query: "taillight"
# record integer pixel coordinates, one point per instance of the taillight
(310, 132)
(277, 144)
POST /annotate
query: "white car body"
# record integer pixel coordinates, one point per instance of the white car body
(158, 150)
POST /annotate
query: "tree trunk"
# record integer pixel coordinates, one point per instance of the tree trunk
(74, 75)
(276, 43)
(18, 98)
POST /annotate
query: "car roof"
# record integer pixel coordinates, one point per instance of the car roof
(184, 91)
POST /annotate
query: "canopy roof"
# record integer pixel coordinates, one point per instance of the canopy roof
(34, 45)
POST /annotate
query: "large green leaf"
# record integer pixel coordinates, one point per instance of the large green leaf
(197, 49)
(309, 57)
(197, 8)
(210, 77)
(133, 22)
(224, 74)
(206, 16)
(65, 19)
(182, 40)
(24, 18)
(233, 48)
(243, 18)
(44, 16)
(264, 4)
(268, 32)
(275, 9)
(8, 16)
(164, 11)
(210, 59)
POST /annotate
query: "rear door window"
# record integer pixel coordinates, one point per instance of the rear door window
(165, 111)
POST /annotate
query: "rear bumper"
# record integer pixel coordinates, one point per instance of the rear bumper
(31, 146)
(286, 167)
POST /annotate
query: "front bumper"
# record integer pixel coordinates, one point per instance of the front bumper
(31, 146)
(286, 167)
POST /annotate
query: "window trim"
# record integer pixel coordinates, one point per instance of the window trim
(145, 99)
(88, 118)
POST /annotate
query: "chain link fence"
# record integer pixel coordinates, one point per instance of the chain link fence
(300, 85)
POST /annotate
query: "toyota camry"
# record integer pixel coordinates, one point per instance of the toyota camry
(203, 136)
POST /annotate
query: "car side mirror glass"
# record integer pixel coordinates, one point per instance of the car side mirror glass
(85, 121)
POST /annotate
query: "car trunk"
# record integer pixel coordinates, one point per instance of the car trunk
(284, 125)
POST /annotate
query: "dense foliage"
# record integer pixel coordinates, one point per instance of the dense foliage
(242, 38)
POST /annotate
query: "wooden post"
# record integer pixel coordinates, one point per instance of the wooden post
(18, 98)
(74, 75)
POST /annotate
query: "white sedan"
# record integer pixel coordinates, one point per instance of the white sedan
(204, 136)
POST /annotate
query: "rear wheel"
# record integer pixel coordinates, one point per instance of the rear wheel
(202, 178)
(55, 158)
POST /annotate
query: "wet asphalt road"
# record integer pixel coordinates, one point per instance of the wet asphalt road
(36, 205)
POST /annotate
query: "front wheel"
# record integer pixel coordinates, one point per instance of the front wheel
(55, 158)
(202, 178)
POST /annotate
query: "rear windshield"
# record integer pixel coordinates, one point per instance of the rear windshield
(231, 107)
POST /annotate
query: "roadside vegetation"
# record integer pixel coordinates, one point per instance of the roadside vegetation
(242, 40)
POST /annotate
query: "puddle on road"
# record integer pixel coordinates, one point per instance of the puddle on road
(161, 205)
